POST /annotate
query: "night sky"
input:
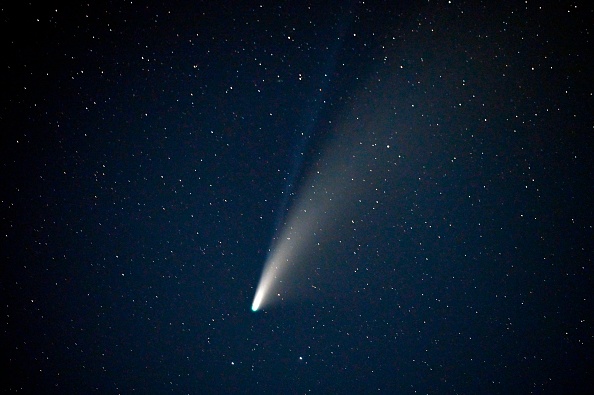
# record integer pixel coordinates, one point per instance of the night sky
(435, 156)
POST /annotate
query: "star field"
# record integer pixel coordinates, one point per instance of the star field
(432, 159)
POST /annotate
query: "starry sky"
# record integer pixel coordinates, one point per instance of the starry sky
(155, 154)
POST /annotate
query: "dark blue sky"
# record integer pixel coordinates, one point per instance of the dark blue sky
(152, 153)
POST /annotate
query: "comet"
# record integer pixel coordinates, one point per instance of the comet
(366, 152)
(326, 196)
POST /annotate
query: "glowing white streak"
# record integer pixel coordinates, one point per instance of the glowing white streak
(264, 286)
(295, 238)
(326, 195)
(269, 275)
(258, 299)
(343, 183)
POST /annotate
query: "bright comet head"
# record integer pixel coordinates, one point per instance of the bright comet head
(264, 285)
(257, 300)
